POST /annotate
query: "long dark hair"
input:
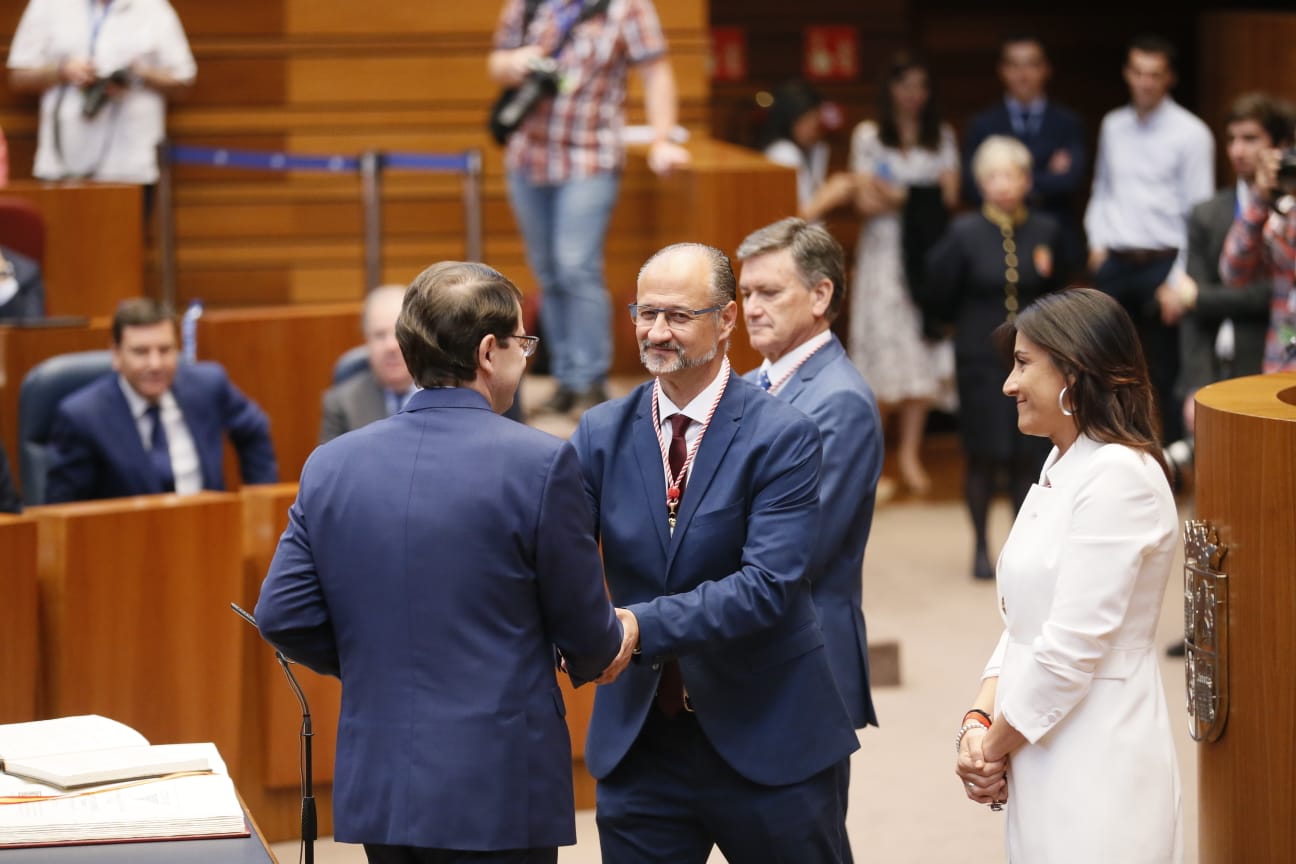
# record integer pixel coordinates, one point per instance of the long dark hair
(928, 121)
(792, 100)
(1092, 342)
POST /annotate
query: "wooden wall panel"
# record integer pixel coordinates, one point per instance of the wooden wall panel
(20, 661)
(1242, 52)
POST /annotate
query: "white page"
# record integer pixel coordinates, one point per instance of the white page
(65, 734)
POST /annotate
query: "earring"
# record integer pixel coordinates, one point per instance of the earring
(1061, 406)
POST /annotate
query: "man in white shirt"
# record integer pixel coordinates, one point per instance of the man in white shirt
(104, 69)
(1155, 162)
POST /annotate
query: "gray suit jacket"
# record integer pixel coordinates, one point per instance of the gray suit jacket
(357, 401)
(1248, 307)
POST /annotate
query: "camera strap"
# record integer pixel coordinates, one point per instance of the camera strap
(568, 22)
(110, 129)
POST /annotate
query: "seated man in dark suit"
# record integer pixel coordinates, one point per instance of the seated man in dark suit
(154, 426)
(22, 289)
(383, 388)
(9, 500)
(1053, 134)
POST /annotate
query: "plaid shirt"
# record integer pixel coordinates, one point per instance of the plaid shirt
(578, 133)
(1262, 238)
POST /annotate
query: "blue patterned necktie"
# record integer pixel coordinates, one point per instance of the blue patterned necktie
(763, 380)
(159, 450)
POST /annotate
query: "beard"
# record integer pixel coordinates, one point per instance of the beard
(678, 363)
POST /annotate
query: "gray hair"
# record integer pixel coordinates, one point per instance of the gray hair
(816, 254)
(1000, 150)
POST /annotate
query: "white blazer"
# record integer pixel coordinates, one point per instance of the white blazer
(1080, 583)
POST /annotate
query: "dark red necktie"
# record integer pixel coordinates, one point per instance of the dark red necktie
(670, 689)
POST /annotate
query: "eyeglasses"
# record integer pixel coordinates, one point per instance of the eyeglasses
(646, 316)
(529, 343)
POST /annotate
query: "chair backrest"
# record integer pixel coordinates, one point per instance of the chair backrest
(352, 362)
(22, 228)
(44, 387)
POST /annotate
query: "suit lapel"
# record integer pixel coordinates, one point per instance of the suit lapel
(122, 434)
(196, 413)
(715, 443)
(816, 363)
(648, 457)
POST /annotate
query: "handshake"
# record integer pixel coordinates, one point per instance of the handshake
(629, 643)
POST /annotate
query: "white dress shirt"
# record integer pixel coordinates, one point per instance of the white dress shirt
(1149, 173)
(180, 444)
(778, 370)
(695, 410)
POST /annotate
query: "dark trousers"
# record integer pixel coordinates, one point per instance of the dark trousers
(1133, 285)
(673, 797)
(380, 854)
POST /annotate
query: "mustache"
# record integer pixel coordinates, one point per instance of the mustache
(668, 345)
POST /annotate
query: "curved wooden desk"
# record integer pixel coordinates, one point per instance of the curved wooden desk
(1246, 488)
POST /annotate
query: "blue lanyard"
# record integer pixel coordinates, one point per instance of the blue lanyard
(97, 16)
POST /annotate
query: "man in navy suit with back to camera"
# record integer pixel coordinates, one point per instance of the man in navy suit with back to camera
(1053, 133)
(154, 425)
(433, 560)
(727, 730)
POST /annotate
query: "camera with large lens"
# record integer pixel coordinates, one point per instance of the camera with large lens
(95, 95)
(514, 105)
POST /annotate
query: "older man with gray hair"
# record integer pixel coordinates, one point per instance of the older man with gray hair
(385, 386)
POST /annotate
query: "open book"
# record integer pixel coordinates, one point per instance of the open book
(136, 792)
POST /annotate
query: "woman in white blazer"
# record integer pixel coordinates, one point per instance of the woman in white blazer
(1070, 727)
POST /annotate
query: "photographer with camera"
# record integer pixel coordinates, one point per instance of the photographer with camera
(103, 69)
(1262, 244)
(564, 159)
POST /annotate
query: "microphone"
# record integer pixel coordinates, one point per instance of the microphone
(309, 823)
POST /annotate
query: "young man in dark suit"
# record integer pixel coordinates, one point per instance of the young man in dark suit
(433, 560)
(154, 425)
(1053, 133)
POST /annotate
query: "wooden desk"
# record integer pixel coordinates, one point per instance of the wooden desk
(282, 357)
(22, 348)
(272, 718)
(94, 243)
(135, 597)
(20, 659)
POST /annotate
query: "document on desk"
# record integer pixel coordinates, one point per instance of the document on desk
(180, 805)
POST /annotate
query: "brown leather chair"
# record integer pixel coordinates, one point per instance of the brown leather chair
(22, 228)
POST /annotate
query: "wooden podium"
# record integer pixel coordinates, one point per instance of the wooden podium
(1246, 489)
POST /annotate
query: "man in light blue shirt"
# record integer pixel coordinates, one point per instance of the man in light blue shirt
(1155, 162)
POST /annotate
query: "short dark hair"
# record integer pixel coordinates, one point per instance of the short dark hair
(448, 309)
(816, 253)
(1150, 43)
(1019, 38)
(1273, 115)
(1092, 341)
(724, 286)
(138, 312)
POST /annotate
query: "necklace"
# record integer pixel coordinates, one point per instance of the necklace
(673, 482)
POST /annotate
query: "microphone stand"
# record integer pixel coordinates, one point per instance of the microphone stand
(309, 823)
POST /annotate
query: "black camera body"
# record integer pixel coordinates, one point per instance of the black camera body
(95, 94)
(1287, 170)
(515, 104)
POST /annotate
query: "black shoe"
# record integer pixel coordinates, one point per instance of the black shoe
(982, 568)
(588, 398)
(1176, 649)
(559, 403)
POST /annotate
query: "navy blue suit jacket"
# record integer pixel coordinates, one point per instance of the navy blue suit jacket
(831, 391)
(433, 559)
(727, 593)
(98, 452)
(1056, 194)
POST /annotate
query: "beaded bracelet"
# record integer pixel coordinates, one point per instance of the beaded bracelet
(963, 730)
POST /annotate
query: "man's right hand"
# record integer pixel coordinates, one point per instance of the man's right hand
(629, 642)
(512, 66)
(79, 72)
(1265, 183)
